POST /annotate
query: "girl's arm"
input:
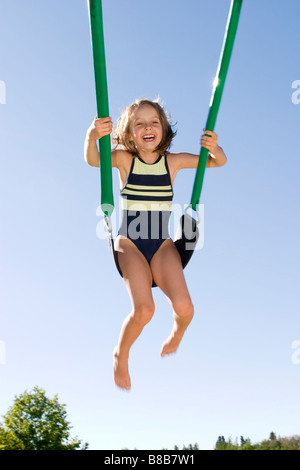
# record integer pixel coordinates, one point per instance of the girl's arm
(216, 156)
(98, 129)
(120, 159)
(91, 153)
(215, 159)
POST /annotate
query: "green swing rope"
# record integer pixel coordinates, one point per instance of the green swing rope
(230, 33)
(97, 39)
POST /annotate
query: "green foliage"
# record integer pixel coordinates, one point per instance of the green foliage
(222, 444)
(9, 441)
(273, 443)
(191, 447)
(35, 422)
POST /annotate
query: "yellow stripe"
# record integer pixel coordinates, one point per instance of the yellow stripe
(145, 205)
(141, 168)
(144, 193)
(137, 186)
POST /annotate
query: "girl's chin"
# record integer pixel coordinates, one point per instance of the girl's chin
(147, 148)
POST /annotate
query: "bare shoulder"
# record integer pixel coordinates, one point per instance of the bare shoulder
(121, 159)
(178, 161)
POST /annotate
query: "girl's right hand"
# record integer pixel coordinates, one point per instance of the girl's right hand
(100, 127)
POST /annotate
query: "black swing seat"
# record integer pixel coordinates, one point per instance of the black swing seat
(186, 239)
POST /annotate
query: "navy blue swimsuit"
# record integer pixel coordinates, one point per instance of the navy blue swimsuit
(146, 202)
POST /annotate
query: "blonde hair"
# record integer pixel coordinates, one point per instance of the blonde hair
(122, 132)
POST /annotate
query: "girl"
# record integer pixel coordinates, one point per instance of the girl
(147, 171)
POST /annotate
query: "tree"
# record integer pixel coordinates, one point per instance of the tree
(189, 447)
(8, 441)
(273, 443)
(222, 444)
(35, 422)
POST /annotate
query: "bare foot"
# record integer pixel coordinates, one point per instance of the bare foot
(171, 344)
(121, 374)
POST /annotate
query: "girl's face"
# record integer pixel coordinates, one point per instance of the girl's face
(146, 129)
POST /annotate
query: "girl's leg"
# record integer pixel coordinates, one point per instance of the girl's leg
(168, 274)
(138, 280)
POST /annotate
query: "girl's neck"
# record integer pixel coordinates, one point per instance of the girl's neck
(148, 157)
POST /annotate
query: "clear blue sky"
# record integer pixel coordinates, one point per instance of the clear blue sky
(62, 301)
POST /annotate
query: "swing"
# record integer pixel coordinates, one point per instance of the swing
(187, 234)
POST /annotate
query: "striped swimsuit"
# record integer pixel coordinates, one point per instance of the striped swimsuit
(146, 202)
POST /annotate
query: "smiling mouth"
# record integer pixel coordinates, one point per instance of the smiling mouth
(149, 138)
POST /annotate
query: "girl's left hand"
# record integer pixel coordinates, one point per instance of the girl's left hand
(209, 141)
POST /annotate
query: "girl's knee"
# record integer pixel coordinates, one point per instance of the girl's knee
(143, 313)
(184, 307)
